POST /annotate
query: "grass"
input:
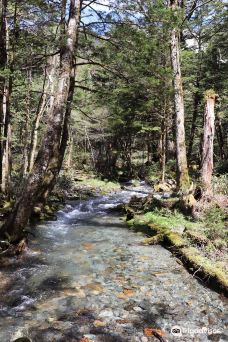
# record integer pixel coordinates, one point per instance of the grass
(99, 185)
(167, 219)
(194, 241)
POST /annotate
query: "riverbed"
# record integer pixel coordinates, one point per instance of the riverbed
(87, 277)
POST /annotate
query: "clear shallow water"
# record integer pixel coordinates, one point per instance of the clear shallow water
(86, 275)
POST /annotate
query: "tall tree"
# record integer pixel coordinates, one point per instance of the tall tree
(5, 93)
(182, 167)
(208, 139)
(47, 160)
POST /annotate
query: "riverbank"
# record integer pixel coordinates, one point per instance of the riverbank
(201, 245)
(69, 186)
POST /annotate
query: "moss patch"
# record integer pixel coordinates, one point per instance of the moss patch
(99, 185)
(213, 271)
(175, 231)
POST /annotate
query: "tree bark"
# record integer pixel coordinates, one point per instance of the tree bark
(25, 134)
(70, 150)
(182, 167)
(207, 146)
(197, 99)
(48, 87)
(220, 139)
(46, 165)
(57, 160)
(6, 134)
(163, 149)
(3, 65)
(194, 119)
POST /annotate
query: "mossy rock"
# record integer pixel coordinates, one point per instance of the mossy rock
(135, 182)
(136, 203)
(158, 229)
(49, 210)
(209, 268)
(176, 240)
(186, 204)
(130, 223)
(154, 240)
(152, 203)
(37, 211)
(162, 187)
(130, 213)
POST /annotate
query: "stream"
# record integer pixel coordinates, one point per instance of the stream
(87, 277)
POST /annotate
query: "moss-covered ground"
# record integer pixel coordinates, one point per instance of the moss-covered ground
(200, 244)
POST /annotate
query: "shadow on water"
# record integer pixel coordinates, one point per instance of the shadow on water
(68, 328)
(53, 283)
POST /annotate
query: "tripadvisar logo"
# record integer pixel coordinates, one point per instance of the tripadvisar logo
(176, 331)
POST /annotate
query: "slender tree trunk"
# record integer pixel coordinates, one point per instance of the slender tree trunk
(182, 167)
(163, 150)
(70, 150)
(208, 138)
(25, 135)
(149, 157)
(6, 134)
(3, 65)
(220, 139)
(46, 165)
(194, 118)
(47, 96)
(7, 138)
(196, 103)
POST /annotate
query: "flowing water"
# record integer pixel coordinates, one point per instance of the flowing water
(86, 277)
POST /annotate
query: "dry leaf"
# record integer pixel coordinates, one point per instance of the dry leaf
(153, 332)
(128, 292)
(87, 246)
(85, 339)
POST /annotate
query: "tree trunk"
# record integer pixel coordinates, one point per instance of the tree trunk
(208, 138)
(220, 139)
(48, 87)
(197, 99)
(194, 119)
(7, 137)
(46, 165)
(163, 150)
(25, 135)
(70, 150)
(182, 167)
(3, 65)
(5, 112)
(57, 159)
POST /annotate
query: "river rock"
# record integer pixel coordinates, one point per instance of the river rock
(106, 313)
